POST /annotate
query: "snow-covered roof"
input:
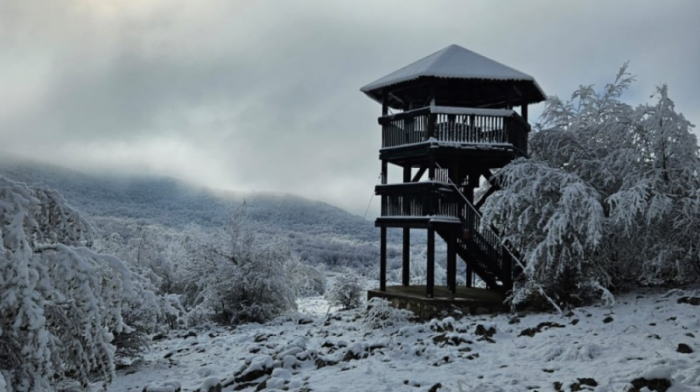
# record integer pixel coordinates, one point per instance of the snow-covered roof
(453, 62)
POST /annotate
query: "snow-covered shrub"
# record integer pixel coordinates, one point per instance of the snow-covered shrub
(380, 314)
(347, 291)
(59, 300)
(306, 279)
(237, 280)
(609, 199)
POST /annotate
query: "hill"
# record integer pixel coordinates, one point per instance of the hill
(319, 231)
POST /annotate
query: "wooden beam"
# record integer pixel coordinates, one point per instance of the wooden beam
(470, 276)
(385, 103)
(518, 91)
(406, 270)
(382, 260)
(523, 111)
(430, 268)
(406, 251)
(509, 97)
(452, 263)
(418, 175)
(385, 172)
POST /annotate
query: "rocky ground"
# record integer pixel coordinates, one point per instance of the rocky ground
(647, 341)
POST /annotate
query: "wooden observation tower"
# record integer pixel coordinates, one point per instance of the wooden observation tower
(453, 122)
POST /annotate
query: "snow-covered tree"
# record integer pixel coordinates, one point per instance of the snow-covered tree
(235, 279)
(608, 199)
(347, 291)
(60, 301)
(306, 279)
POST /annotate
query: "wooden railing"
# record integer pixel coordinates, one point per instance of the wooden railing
(483, 238)
(456, 125)
(419, 199)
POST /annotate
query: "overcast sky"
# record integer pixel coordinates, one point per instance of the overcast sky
(264, 95)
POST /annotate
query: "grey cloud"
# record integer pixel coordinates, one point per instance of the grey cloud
(264, 95)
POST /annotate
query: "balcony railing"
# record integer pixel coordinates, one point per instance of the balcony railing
(420, 199)
(455, 125)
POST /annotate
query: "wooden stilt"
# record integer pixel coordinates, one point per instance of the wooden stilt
(382, 260)
(452, 263)
(406, 270)
(430, 270)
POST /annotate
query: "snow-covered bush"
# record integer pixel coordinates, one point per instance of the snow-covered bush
(347, 291)
(380, 314)
(235, 279)
(306, 279)
(59, 300)
(609, 199)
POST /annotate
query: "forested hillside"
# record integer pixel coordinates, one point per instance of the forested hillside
(318, 232)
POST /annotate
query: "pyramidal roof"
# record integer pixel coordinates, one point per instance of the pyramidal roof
(452, 62)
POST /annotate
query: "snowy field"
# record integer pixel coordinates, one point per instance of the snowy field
(590, 348)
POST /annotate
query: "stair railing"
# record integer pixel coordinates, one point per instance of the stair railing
(513, 257)
(490, 234)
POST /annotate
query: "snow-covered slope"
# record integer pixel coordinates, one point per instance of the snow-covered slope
(173, 203)
(592, 348)
(321, 233)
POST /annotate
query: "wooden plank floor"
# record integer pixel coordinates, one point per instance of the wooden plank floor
(441, 294)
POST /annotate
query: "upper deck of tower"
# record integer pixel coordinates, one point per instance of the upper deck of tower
(455, 76)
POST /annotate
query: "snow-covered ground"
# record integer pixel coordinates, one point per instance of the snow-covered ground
(591, 348)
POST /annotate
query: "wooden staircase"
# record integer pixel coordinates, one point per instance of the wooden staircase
(481, 248)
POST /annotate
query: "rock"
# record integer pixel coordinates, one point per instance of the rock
(435, 387)
(483, 331)
(321, 363)
(158, 336)
(261, 337)
(305, 320)
(211, 384)
(168, 386)
(608, 319)
(557, 386)
(695, 301)
(582, 382)
(684, 349)
(541, 327)
(261, 366)
(262, 386)
(654, 384)
(189, 334)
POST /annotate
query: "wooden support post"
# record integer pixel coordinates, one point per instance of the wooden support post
(509, 97)
(385, 103)
(383, 181)
(419, 174)
(472, 183)
(523, 112)
(385, 172)
(470, 276)
(431, 177)
(406, 251)
(452, 262)
(406, 270)
(382, 259)
(430, 270)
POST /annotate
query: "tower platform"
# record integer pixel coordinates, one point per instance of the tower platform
(467, 300)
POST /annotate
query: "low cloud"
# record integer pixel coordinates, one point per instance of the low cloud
(264, 95)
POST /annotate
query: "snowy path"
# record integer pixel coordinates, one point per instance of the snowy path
(638, 337)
